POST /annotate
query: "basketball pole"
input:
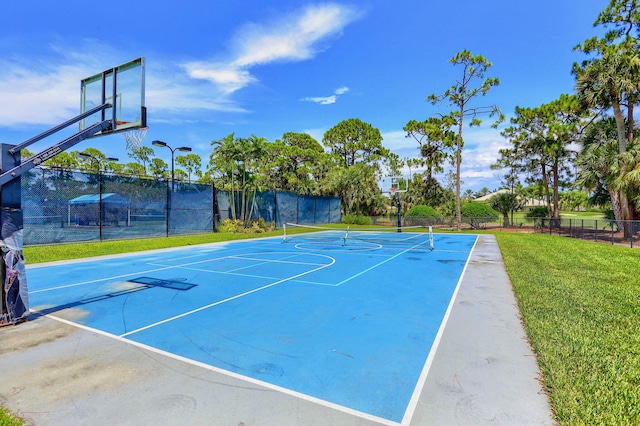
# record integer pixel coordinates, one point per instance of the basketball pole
(399, 211)
(14, 307)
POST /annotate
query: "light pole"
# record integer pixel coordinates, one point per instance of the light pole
(170, 195)
(173, 150)
(97, 161)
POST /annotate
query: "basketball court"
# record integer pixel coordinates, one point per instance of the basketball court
(348, 329)
(338, 327)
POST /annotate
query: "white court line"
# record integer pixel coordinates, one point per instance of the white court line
(380, 263)
(231, 298)
(228, 373)
(413, 402)
(160, 268)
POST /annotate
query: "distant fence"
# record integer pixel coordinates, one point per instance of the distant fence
(68, 206)
(626, 233)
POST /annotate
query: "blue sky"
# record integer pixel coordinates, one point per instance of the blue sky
(267, 68)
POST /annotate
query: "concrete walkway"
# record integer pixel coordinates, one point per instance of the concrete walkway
(484, 372)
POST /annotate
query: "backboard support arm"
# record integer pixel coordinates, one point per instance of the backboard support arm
(50, 152)
(59, 127)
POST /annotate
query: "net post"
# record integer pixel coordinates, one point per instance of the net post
(431, 237)
(284, 234)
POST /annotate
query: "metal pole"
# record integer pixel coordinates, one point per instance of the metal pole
(399, 214)
(173, 175)
(100, 203)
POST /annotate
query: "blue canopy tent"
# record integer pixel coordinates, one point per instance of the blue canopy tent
(95, 209)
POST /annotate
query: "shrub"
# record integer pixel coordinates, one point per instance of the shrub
(239, 227)
(537, 212)
(608, 214)
(421, 215)
(476, 214)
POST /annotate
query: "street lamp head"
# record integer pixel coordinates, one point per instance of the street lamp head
(112, 159)
(84, 154)
(159, 143)
(184, 149)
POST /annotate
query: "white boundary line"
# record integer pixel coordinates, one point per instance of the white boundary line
(378, 264)
(410, 410)
(413, 402)
(193, 311)
(164, 268)
(237, 376)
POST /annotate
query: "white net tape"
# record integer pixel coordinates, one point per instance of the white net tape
(134, 137)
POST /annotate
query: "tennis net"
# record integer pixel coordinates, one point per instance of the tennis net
(418, 237)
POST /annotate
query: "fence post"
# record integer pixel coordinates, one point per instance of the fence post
(167, 209)
(596, 230)
(275, 207)
(100, 210)
(612, 235)
(570, 228)
(214, 207)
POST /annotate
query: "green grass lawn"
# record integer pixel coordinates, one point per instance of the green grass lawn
(8, 419)
(580, 303)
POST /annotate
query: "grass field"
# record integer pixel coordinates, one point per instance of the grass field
(580, 303)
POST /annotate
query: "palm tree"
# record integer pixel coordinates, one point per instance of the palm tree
(613, 81)
(505, 203)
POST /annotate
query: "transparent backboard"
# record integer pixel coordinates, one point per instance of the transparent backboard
(123, 88)
(393, 184)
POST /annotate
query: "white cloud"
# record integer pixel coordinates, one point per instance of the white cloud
(227, 78)
(45, 90)
(341, 90)
(45, 94)
(327, 100)
(481, 150)
(291, 38)
(322, 100)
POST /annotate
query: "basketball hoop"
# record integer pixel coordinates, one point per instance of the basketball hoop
(393, 191)
(134, 137)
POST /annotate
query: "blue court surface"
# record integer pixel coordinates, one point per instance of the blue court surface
(350, 323)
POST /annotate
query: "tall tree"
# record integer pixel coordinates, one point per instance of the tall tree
(460, 95)
(356, 145)
(435, 139)
(191, 163)
(353, 140)
(96, 163)
(143, 154)
(64, 160)
(292, 163)
(158, 168)
(505, 203)
(543, 140)
(238, 161)
(610, 80)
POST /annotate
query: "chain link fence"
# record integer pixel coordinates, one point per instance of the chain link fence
(69, 206)
(624, 233)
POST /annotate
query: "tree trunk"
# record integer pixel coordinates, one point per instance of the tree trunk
(556, 195)
(458, 163)
(545, 182)
(625, 209)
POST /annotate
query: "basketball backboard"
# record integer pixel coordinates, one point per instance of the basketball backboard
(123, 88)
(390, 185)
